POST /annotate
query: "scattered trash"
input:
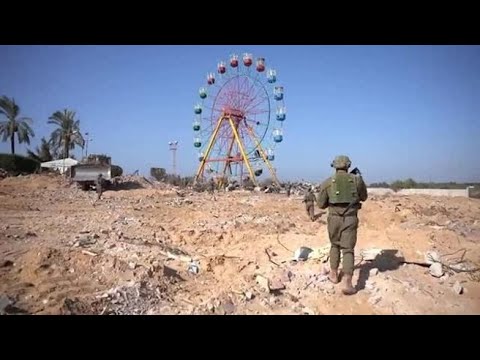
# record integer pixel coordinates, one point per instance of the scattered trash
(457, 288)
(193, 267)
(374, 300)
(432, 257)
(308, 311)
(301, 254)
(132, 265)
(436, 269)
(86, 252)
(249, 295)
(210, 307)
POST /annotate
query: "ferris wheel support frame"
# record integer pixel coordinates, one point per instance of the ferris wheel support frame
(264, 157)
(236, 138)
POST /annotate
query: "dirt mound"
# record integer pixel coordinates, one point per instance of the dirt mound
(130, 182)
(147, 251)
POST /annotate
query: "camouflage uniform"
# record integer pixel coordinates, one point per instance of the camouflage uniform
(289, 189)
(309, 200)
(98, 186)
(342, 194)
(211, 186)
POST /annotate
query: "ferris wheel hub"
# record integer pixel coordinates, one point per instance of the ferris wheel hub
(234, 113)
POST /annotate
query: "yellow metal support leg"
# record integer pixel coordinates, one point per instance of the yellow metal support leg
(227, 163)
(264, 157)
(209, 148)
(242, 151)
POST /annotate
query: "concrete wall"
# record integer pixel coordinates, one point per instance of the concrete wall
(430, 192)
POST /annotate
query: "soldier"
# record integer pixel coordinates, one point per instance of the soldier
(309, 200)
(342, 194)
(98, 186)
(289, 189)
(211, 186)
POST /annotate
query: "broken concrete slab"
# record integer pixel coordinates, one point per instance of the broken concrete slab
(263, 282)
(436, 270)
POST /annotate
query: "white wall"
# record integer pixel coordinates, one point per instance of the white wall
(430, 192)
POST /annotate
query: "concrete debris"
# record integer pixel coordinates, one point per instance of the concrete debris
(321, 253)
(4, 303)
(249, 295)
(86, 241)
(263, 282)
(276, 285)
(370, 285)
(436, 270)
(308, 311)
(370, 254)
(457, 288)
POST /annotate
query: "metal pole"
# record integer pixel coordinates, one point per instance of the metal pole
(173, 149)
(87, 140)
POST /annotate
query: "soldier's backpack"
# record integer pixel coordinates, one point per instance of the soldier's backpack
(342, 189)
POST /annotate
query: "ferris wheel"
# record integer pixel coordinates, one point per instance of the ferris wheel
(239, 120)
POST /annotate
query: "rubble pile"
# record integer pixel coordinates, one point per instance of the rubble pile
(182, 252)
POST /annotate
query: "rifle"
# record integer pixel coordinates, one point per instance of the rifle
(356, 171)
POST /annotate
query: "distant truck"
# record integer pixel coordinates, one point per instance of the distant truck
(85, 173)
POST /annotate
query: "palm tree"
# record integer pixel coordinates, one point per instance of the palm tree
(14, 123)
(42, 153)
(68, 133)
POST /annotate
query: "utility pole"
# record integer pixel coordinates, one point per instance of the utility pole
(87, 140)
(173, 149)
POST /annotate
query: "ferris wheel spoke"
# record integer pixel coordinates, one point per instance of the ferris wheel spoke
(255, 103)
(261, 92)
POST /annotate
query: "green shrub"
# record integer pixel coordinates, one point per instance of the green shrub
(17, 164)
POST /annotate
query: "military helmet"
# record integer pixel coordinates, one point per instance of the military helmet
(341, 162)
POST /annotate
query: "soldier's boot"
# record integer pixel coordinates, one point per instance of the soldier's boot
(333, 276)
(348, 288)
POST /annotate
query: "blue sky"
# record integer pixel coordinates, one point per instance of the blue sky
(397, 111)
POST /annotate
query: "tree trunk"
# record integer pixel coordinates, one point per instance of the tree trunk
(12, 139)
(66, 148)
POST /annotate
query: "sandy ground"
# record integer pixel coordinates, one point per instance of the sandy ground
(61, 252)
